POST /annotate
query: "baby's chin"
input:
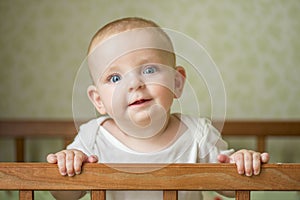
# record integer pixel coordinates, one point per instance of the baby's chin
(144, 124)
(141, 119)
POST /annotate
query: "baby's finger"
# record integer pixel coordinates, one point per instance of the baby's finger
(256, 163)
(70, 163)
(248, 163)
(239, 161)
(61, 163)
(51, 158)
(79, 158)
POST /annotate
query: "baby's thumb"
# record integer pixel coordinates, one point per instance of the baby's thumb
(51, 158)
(265, 157)
(223, 158)
(92, 159)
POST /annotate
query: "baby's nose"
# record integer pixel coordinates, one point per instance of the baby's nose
(134, 82)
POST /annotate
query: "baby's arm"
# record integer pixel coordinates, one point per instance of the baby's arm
(69, 163)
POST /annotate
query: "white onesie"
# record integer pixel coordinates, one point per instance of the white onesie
(200, 143)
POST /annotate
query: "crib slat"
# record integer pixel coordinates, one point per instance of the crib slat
(261, 143)
(98, 195)
(26, 195)
(20, 146)
(170, 195)
(242, 195)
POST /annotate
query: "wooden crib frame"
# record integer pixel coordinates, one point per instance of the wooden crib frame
(97, 178)
(27, 177)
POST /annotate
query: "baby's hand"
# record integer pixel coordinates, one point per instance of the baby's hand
(247, 162)
(69, 162)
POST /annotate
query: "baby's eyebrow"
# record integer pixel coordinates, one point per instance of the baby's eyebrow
(144, 60)
(112, 69)
(149, 59)
(118, 68)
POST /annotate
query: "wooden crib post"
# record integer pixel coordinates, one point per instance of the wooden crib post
(26, 195)
(261, 143)
(20, 148)
(170, 195)
(242, 195)
(98, 195)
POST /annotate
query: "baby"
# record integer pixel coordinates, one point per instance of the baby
(135, 80)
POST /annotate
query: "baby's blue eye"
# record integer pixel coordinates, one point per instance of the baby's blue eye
(114, 78)
(150, 70)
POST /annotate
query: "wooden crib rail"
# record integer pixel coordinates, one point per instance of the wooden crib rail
(261, 129)
(98, 178)
(20, 129)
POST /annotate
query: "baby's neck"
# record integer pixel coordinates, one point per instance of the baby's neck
(161, 140)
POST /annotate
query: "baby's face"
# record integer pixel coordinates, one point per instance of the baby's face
(138, 86)
(135, 80)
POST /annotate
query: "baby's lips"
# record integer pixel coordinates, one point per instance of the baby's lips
(140, 101)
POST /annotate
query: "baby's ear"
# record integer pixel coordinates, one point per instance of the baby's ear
(179, 81)
(94, 97)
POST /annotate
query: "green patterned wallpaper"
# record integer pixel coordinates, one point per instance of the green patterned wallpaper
(254, 43)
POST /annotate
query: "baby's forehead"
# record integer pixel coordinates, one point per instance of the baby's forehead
(113, 47)
(145, 56)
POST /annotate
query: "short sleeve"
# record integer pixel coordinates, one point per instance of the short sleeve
(85, 139)
(211, 144)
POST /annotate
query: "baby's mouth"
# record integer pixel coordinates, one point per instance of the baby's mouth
(139, 102)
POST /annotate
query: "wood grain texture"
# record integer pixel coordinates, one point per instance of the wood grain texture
(42, 176)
